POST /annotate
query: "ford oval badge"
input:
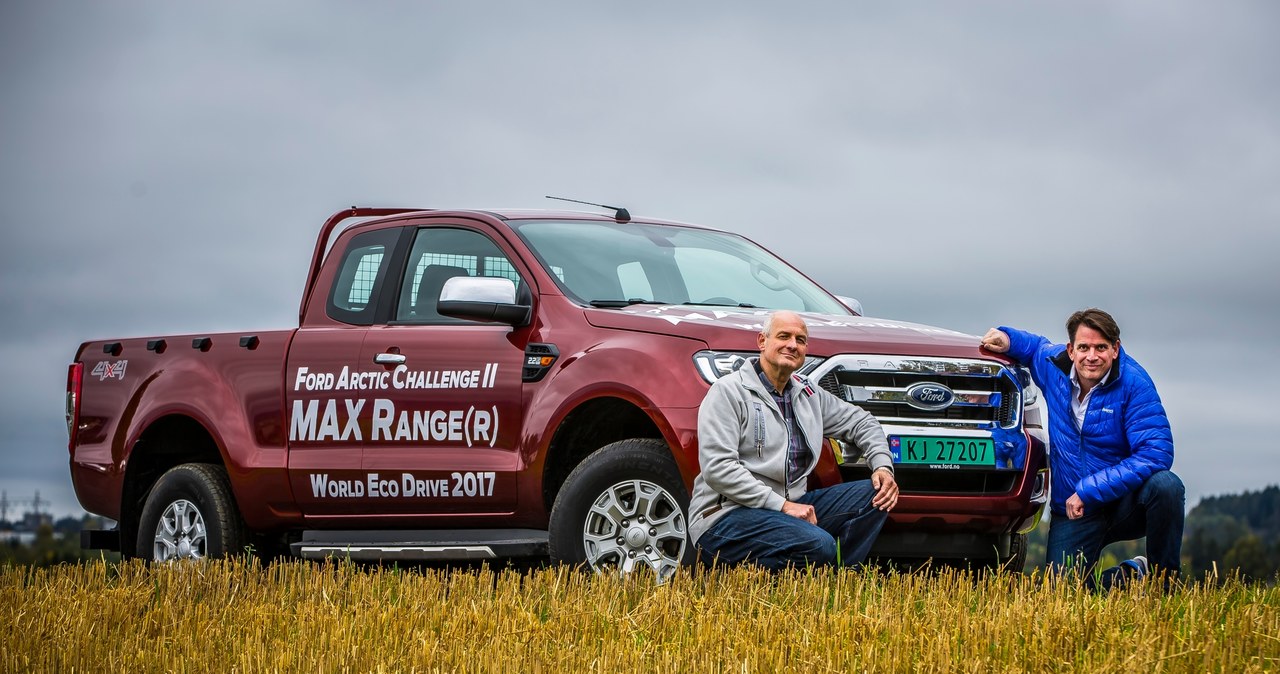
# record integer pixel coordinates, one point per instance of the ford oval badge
(930, 396)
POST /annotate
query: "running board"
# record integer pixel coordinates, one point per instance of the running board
(427, 545)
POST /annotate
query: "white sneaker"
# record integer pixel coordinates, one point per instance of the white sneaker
(1139, 566)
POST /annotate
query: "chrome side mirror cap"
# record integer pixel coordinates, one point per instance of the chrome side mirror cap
(483, 298)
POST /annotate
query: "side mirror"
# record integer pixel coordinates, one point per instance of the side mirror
(483, 298)
(854, 305)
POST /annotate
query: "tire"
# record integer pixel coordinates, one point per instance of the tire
(191, 514)
(1017, 559)
(624, 508)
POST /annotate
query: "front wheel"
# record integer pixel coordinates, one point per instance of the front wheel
(190, 514)
(1017, 558)
(622, 509)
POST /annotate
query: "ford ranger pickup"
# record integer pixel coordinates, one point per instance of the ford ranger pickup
(502, 384)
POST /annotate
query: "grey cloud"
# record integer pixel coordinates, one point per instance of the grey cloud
(164, 167)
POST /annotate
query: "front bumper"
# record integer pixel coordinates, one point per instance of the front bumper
(961, 514)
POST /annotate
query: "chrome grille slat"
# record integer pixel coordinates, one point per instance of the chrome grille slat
(932, 423)
(987, 394)
(899, 395)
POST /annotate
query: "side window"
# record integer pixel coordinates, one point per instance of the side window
(439, 254)
(354, 296)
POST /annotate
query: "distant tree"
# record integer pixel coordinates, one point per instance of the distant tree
(1230, 533)
(1249, 556)
(1207, 537)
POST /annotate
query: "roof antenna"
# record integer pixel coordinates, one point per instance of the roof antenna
(620, 214)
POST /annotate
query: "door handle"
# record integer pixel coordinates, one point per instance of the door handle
(390, 359)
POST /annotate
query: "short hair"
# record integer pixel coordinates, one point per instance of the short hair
(767, 329)
(1098, 320)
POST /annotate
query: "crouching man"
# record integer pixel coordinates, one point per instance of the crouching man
(1110, 449)
(761, 430)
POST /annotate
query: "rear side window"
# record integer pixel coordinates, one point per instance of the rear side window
(439, 254)
(354, 296)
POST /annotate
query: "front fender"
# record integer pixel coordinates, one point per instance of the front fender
(660, 379)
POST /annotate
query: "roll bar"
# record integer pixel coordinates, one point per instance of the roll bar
(323, 240)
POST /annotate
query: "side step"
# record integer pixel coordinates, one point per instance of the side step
(426, 545)
(100, 539)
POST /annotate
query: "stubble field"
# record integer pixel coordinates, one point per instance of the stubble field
(335, 617)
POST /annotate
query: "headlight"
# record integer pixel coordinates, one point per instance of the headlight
(713, 365)
(1030, 394)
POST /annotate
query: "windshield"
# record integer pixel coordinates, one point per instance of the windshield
(610, 265)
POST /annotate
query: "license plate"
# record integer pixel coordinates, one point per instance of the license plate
(950, 452)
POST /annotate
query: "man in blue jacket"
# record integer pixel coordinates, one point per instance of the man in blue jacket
(1110, 448)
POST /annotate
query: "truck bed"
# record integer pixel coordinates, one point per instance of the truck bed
(231, 383)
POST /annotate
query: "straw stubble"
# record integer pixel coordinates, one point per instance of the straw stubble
(333, 617)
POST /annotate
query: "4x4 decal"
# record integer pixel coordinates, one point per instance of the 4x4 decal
(105, 370)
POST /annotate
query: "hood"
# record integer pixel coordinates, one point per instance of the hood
(729, 329)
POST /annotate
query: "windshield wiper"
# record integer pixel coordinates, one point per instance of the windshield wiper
(741, 305)
(618, 304)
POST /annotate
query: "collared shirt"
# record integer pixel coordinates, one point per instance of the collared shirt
(1080, 404)
(798, 457)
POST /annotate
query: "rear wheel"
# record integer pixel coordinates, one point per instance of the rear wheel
(190, 514)
(623, 509)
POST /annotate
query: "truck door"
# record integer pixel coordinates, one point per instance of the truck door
(444, 438)
(325, 392)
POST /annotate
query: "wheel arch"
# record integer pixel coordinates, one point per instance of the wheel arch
(589, 426)
(169, 441)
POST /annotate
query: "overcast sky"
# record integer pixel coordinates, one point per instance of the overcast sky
(164, 167)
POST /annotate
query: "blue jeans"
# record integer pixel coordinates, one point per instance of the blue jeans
(775, 540)
(1155, 510)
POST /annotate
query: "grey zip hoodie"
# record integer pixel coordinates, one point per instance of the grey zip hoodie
(742, 444)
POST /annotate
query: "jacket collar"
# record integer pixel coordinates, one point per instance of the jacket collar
(749, 372)
(764, 381)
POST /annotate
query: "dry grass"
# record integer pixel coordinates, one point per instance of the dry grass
(297, 616)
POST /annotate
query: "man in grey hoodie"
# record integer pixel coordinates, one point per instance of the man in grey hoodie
(760, 433)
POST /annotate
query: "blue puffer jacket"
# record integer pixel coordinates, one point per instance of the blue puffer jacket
(1126, 434)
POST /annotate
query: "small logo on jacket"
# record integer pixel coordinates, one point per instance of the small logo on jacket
(808, 390)
(930, 396)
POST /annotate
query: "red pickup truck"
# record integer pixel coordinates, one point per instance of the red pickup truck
(490, 384)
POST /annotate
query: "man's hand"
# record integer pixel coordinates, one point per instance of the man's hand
(800, 511)
(1075, 507)
(886, 489)
(995, 340)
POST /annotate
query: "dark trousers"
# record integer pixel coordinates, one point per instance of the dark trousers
(774, 540)
(1155, 510)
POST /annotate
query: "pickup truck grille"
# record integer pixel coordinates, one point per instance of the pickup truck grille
(985, 392)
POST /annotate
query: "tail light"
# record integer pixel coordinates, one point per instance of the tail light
(75, 375)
